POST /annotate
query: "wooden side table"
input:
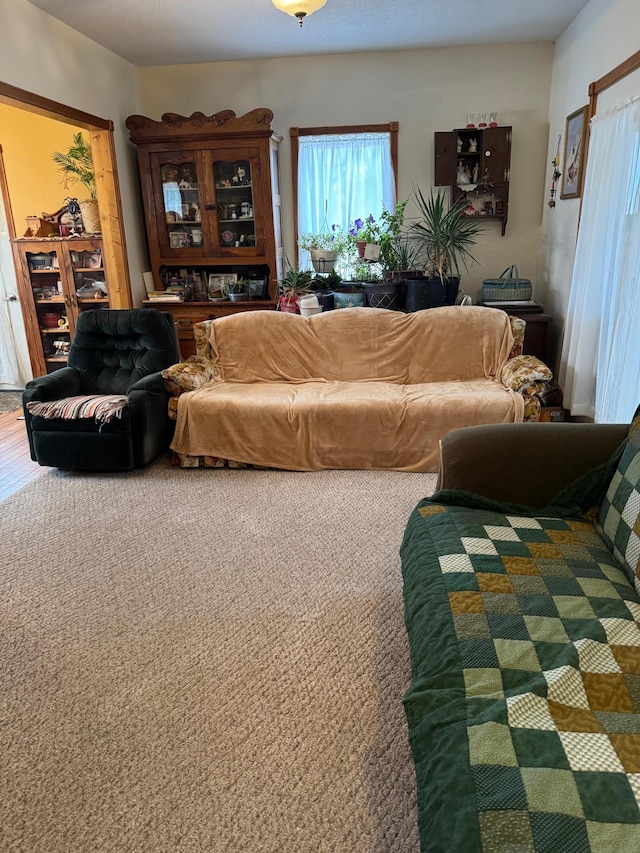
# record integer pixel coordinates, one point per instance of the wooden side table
(536, 334)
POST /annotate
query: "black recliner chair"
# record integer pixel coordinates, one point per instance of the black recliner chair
(113, 352)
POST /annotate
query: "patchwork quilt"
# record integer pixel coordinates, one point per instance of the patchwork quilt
(524, 702)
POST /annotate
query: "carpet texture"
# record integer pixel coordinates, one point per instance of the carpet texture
(10, 401)
(206, 661)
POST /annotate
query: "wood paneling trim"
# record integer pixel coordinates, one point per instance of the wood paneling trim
(52, 109)
(113, 240)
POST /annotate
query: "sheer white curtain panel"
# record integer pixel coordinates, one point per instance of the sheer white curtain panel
(600, 360)
(342, 177)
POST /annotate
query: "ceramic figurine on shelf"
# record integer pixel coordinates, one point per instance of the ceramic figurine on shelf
(462, 175)
(473, 145)
(475, 175)
(458, 145)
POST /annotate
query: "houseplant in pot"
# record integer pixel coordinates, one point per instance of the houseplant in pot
(442, 235)
(291, 286)
(325, 247)
(76, 165)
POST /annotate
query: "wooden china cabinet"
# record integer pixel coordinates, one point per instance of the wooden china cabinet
(210, 189)
(476, 163)
(57, 279)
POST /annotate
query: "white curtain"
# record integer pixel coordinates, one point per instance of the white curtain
(600, 361)
(342, 178)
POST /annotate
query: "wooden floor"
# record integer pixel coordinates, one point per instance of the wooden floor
(16, 465)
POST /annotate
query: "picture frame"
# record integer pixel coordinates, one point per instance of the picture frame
(178, 240)
(574, 147)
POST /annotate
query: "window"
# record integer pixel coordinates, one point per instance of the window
(341, 174)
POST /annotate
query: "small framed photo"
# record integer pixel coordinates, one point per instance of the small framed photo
(574, 144)
(178, 239)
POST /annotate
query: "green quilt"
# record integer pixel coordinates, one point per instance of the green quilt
(524, 702)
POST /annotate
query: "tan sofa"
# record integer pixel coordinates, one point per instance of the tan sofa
(357, 388)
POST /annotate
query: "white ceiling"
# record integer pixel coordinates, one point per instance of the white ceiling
(168, 32)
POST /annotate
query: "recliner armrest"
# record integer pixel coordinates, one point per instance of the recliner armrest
(525, 463)
(61, 383)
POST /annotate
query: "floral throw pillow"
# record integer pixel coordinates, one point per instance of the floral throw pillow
(619, 511)
(188, 375)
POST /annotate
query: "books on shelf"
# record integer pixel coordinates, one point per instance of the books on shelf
(163, 296)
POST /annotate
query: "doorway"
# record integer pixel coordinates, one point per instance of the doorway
(25, 336)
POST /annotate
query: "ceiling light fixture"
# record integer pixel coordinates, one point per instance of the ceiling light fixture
(299, 8)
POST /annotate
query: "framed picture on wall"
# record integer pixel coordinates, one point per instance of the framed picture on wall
(574, 143)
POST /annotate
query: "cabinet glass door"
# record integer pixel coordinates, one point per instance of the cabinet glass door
(180, 214)
(89, 285)
(235, 177)
(51, 305)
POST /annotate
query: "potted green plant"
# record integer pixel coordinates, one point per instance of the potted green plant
(325, 247)
(442, 235)
(239, 290)
(291, 286)
(76, 165)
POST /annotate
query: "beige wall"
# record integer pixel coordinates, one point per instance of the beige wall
(35, 186)
(424, 90)
(602, 36)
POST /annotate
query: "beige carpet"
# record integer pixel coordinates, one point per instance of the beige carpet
(205, 661)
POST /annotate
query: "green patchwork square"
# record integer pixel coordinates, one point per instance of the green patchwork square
(563, 586)
(580, 629)
(621, 539)
(483, 682)
(573, 607)
(597, 588)
(469, 625)
(480, 710)
(554, 655)
(608, 608)
(548, 629)
(516, 654)
(487, 563)
(498, 787)
(613, 836)
(510, 626)
(615, 723)
(506, 830)
(490, 743)
(477, 653)
(538, 605)
(586, 568)
(497, 602)
(529, 585)
(606, 797)
(549, 567)
(552, 832)
(539, 748)
(517, 681)
(460, 581)
(527, 534)
(551, 790)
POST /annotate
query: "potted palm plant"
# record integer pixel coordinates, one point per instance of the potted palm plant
(76, 165)
(443, 235)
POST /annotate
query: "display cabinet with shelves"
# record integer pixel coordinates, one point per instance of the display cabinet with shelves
(210, 193)
(57, 279)
(476, 162)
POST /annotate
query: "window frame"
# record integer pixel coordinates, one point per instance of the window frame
(296, 132)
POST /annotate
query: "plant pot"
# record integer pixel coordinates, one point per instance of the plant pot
(90, 215)
(421, 293)
(385, 294)
(326, 300)
(289, 303)
(348, 296)
(239, 297)
(323, 261)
